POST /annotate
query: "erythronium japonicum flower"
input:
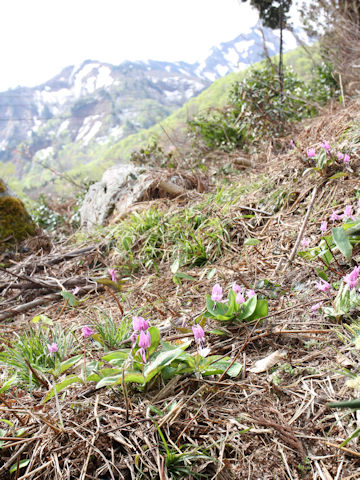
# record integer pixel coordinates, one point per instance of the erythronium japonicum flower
(216, 294)
(316, 307)
(250, 293)
(323, 286)
(326, 146)
(352, 278)
(144, 343)
(348, 212)
(112, 272)
(240, 298)
(199, 336)
(292, 144)
(323, 226)
(87, 331)
(53, 348)
(311, 153)
(346, 158)
(340, 156)
(334, 216)
(305, 242)
(75, 290)
(139, 324)
(199, 333)
(237, 288)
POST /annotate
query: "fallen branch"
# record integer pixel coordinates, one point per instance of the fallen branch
(302, 229)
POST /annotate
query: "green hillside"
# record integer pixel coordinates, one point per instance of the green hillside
(89, 167)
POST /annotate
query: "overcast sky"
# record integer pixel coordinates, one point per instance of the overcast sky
(40, 37)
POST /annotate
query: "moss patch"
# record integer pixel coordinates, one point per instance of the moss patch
(2, 187)
(15, 222)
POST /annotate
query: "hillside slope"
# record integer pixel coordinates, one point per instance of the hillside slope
(245, 398)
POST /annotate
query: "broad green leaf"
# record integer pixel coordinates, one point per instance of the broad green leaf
(261, 310)
(338, 175)
(130, 376)
(62, 385)
(252, 241)
(161, 360)
(71, 299)
(234, 370)
(66, 364)
(342, 242)
(42, 319)
(248, 308)
(117, 358)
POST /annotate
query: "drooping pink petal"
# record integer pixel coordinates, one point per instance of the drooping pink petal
(323, 226)
(240, 298)
(87, 331)
(144, 339)
(199, 333)
(311, 153)
(322, 285)
(305, 242)
(216, 294)
(139, 323)
(250, 293)
(112, 272)
(316, 307)
(326, 146)
(346, 158)
(334, 216)
(237, 288)
(53, 348)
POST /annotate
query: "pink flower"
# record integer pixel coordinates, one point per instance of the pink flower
(250, 293)
(346, 158)
(199, 333)
(87, 331)
(142, 352)
(316, 307)
(348, 212)
(335, 216)
(292, 144)
(305, 242)
(326, 146)
(358, 203)
(323, 226)
(139, 324)
(53, 348)
(144, 339)
(237, 288)
(112, 272)
(352, 278)
(311, 153)
(75, 290)
(322, 285)
(340, 156)
(216, 294)
(240, 298)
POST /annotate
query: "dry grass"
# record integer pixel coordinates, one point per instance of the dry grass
(271, 425)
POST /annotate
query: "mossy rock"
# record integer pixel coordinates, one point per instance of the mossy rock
(15, 222)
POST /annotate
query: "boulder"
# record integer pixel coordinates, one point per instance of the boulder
(123, 185)
(15, 222)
